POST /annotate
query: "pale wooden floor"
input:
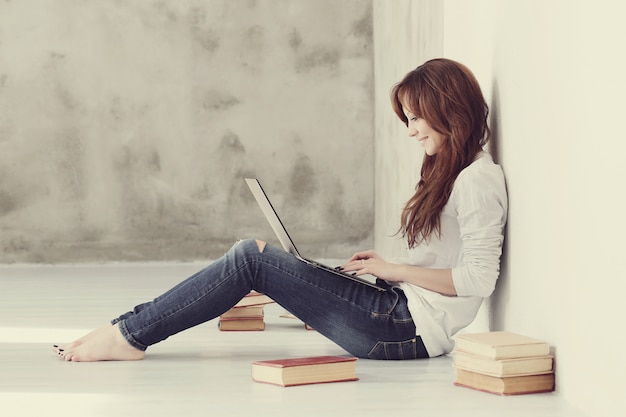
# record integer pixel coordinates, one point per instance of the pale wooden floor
(201, 371)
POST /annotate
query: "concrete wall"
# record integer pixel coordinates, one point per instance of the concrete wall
(407, 33)
(553, 73)
(126, 128)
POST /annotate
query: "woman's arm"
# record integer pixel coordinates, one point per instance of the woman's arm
(438, 280)
(369, 262)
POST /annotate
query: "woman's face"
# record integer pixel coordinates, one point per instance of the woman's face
(431, 140)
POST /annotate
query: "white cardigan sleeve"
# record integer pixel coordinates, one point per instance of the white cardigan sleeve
(480, 200)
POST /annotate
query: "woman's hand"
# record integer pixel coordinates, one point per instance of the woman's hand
(369, 262)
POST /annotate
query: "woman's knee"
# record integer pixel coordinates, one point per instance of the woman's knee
(247, 245)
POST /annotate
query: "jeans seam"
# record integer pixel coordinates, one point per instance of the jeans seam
(390, 317)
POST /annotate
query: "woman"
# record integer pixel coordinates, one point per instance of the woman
(453, 227)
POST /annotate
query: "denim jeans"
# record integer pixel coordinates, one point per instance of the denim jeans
(364, 321)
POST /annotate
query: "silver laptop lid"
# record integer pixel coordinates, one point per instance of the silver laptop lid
(272, 217)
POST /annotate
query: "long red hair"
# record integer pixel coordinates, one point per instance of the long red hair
(447, 96)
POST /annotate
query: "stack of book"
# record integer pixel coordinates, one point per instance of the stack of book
(503, 363)
(247, 315)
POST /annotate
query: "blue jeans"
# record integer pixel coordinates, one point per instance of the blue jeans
(364, 321)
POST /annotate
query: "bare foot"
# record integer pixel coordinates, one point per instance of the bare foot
(66, 346)
(103, 344)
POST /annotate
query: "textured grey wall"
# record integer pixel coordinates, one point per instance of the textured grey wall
(126, 127)
(416, 26)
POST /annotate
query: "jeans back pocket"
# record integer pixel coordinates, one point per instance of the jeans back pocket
(409, 349)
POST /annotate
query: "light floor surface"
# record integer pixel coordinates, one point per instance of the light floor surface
(201, 371)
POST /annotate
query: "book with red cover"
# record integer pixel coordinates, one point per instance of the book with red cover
(302, 371)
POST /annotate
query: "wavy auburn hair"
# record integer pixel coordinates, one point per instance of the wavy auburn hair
(447, 96)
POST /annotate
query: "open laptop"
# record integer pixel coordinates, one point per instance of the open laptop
(285, 239)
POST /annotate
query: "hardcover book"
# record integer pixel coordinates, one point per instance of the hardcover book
(250, 311)
(503, 367)
(513, 385)
(301, 371)
(242, 324)
(501, 344)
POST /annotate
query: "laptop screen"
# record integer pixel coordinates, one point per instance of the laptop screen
(272, 217)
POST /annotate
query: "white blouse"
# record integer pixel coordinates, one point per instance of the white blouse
(472, 233)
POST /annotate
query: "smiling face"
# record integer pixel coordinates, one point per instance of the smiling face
(431, 140)
(441, 104)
